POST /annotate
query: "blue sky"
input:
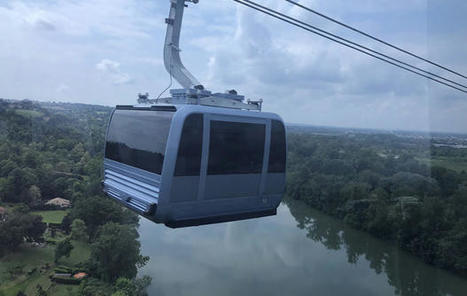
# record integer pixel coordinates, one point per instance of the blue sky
(105, 52)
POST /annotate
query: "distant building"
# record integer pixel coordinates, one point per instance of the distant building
(59, 202)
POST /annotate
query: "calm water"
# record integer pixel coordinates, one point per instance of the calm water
(298, 252)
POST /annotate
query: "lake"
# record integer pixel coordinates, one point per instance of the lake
(300, 251)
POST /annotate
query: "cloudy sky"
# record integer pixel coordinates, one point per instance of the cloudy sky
(105, 52)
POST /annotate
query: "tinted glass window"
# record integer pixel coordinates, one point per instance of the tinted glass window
(277, 153)
(236, 148)
(139, 138)
(191, 145)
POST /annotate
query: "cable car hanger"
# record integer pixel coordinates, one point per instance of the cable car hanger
(195, 157)
(193, 91)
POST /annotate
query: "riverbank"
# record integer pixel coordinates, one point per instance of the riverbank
(377, 183)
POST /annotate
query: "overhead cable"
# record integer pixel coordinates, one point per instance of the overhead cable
(358, 45)
(375, 38)
(338, 39)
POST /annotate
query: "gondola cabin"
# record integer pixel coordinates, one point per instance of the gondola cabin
(196, 157)
(186, 165)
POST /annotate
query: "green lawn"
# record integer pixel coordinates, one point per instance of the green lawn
(59, 236)
(79, 254)
(26, 260)
(52, 216)
(63, 290)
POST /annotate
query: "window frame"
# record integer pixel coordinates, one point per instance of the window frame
(158, 168)
(239, 120)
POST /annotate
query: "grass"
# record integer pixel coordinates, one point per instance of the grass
(26, 259)
(59, 236)
(52, 216)
(80, 254)
(63, 290)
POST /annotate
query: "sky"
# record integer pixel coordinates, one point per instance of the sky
(106, 52)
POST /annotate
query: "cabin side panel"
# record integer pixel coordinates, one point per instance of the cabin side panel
(134, 157)
(185, 182)
(275, 181)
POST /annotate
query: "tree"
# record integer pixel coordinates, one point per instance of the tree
(31, 159)
(447, 179)
(19, 227)
(33, 227)
(96, 211)
(142, 284)
(135, 287)
(78, 230)
(33, 195)
(63, 249)
(66, 223)
(40, 291)
(3, 184)
(18, 181)
(125, 287)
(116, 252)
(94, 287)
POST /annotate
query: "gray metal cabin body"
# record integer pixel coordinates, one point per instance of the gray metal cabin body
(188, 165)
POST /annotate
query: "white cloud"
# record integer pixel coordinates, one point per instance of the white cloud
(62, 89)
(111, 69)
(50, 44)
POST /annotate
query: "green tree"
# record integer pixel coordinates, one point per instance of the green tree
(31, 159)
(63, 249)
(142, 284)
(78, 230)
(96, 211)
(94, 287)
(66, 223)
(135, 287)
(34, 195)
(40, 291)
(19, 227)
(18, 181)
(125, 287)
(116, 252)
(3, 184)
(33, 227)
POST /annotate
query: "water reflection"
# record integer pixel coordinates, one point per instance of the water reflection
(272, 256)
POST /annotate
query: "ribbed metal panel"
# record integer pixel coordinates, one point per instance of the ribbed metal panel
(135, 188)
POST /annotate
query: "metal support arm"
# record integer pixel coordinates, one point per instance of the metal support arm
(172, 60)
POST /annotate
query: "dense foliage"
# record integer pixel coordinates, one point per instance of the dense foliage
(384, 184)
(18, 227)
(63, 249)
(115, 252)
(50, 150)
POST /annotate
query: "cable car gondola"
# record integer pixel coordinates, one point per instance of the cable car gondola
(196, 157)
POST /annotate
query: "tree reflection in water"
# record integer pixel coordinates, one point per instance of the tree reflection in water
(406, 273)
